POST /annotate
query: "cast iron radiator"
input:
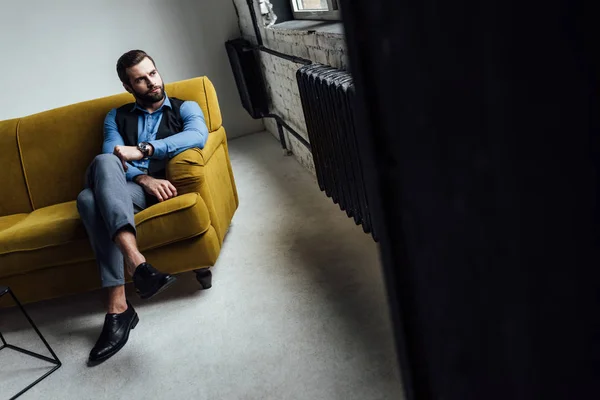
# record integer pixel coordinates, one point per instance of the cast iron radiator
(327, 96)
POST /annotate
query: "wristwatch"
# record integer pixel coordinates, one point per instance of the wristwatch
(144, 147)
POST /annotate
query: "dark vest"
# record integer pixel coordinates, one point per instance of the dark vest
(170, 124)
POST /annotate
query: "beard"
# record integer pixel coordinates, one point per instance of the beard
(148, 97)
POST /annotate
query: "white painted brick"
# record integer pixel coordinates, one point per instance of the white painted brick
(291, 72)
(287, 38)
(265, 56)
(339, 45)
(297, 103)
(332, 42)
(310, 39)
(323, 42)
(286, 48)
(334, 59)
(270, 34)
(280, 41)
(343, 60)
(300, 50)
(318, 55)
(301, 154)
(279, 35)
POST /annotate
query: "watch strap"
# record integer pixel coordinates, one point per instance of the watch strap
(144, 147)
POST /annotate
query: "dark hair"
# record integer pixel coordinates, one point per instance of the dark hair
(128, 60)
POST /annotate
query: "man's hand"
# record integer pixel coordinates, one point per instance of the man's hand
(162, 189)
(128, 153)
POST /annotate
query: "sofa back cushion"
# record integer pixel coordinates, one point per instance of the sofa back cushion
(58, 145)
(14, 198)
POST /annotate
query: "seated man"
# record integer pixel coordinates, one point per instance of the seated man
(139, 139)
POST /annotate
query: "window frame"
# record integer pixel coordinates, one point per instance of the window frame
(333, 14)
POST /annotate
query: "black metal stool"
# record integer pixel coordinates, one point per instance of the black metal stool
(55, 360)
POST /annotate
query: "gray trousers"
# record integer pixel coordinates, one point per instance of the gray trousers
(107, 205)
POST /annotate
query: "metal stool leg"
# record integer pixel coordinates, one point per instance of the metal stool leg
(53, 360)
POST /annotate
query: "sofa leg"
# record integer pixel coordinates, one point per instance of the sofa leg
(204, 276)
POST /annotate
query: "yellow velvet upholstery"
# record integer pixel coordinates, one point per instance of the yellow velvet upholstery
(44, 250)
(14, 197)
(197, 171)
(55, 235)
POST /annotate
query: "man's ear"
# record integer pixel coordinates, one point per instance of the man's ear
(128, 88)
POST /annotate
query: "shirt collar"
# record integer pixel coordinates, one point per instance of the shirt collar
(167, 103)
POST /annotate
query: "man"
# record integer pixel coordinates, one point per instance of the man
(139, 138)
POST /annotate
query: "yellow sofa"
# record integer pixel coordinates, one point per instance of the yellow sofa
(44, 250)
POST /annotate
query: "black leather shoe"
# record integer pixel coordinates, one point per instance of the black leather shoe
(114, 335)
(148, 281)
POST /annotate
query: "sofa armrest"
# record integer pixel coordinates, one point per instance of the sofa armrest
(184, 170)
(215, 139)
(209, 173)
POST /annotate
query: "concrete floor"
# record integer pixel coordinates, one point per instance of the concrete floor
(297, 310)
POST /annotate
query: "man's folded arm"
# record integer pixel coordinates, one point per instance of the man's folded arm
(194, 134)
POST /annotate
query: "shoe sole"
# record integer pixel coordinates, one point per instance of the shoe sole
(133, 324)
(168, 283)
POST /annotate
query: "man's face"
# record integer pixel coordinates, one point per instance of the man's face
(145, 82)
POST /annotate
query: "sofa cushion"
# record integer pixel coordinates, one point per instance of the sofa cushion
(55, 235)
(173, 220)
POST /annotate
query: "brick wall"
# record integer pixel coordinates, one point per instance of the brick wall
(322, 44)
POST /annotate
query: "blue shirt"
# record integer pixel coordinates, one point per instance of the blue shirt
(194, 134)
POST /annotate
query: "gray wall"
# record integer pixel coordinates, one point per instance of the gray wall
(320, 42)
(64, 51)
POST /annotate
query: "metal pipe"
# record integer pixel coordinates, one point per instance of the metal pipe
(281, 136)
(255, 22)
(295, 134)
(298, 60)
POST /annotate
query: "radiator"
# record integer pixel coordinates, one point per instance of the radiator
(327, 96)
(248, 77)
